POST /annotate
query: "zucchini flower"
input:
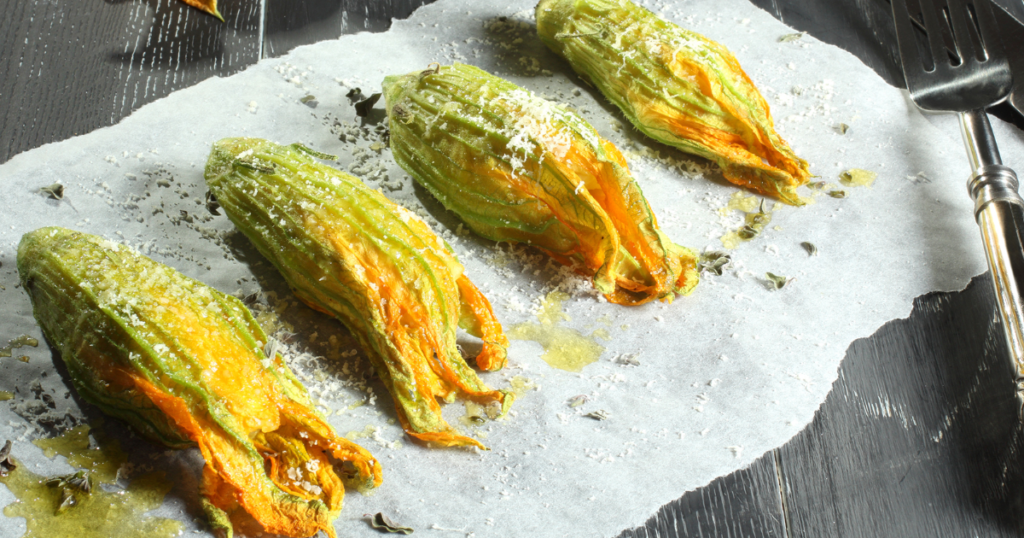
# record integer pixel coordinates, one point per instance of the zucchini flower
(677, 87)
(184, 364)
(348, 251)
(209, 6)
(516, 167)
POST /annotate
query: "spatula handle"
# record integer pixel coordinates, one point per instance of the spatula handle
(1002, 224)
(999, 211)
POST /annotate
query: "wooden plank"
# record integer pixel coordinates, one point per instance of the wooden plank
(743, 504)
(291, 23)
(71, 67)
(920, 435)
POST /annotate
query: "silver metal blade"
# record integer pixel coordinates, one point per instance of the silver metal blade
(865, 28)
(1011, 31)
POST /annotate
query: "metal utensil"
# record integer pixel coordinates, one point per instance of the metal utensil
(954, 62)
(1011, 33)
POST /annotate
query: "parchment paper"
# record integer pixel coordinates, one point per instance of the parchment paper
(723, 375)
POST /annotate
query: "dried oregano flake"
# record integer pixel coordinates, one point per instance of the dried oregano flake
(55, 191)
(777, 281)
(381, 522)
(858, 177)
(363, 107)
(714, 262)
(578, 400)
(211, 204)
(7, 464)
(71, 486)
(314, 153)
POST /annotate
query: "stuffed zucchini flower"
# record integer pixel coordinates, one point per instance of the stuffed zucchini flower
(185, 365)
(677, 87)
(516, 167)
(348, 251)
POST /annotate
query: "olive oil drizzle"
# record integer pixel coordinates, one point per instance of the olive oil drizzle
(564, 348)
(21, 341)
(108, 509)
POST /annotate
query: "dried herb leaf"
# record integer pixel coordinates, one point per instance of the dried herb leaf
(384, 523)
(810, 248)
(7, 463)
(857, 177)
(748, 232)
(712, 255)
(70, 486)
(579, 400)
(355, 95)
(67, 500)
(790, 37)
(402, 114)
(760, 218)
(314, 153)
(597, 415)
(80, 482)
(628, 359)
(255, 166)
(842, 128)
(777, 281)
(837, 194)
(211, 203)
(921, 177)
(310, 101)
(714, 261)
(363, 107)
(477, 419)
(755, 223)
(432, 69)
(55, 191)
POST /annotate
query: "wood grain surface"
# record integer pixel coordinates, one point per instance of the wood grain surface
(744, 504)
(70, 67)
(291, 23)
(920, 435)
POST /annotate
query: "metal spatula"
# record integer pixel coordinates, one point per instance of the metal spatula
(953, 62)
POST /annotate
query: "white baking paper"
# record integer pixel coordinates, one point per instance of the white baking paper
(693, 390)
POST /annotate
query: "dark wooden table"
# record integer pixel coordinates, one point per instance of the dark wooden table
(919, 436)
